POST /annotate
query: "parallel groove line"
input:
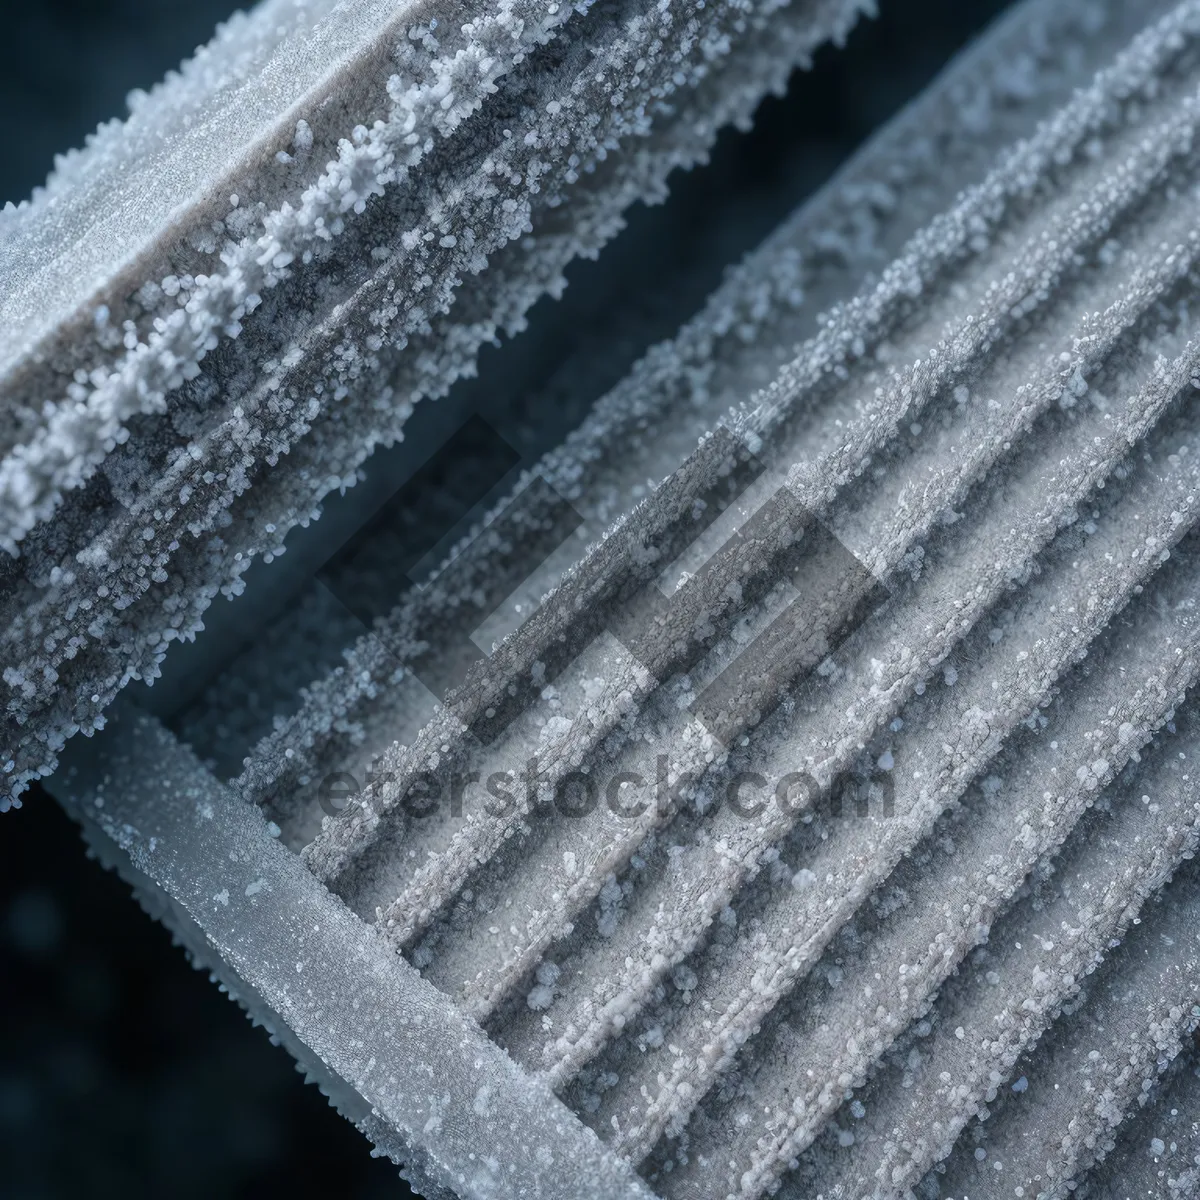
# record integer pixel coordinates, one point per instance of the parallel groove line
(1136, 1168)
(182, 549)
(815, 488)
(675, 917)
(1083, 461)
(1005, 832)
(996, 427)
(1141, 1006)
(656, 388)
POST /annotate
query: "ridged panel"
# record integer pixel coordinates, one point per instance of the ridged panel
(940, 459)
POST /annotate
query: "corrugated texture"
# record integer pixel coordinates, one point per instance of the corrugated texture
(413, 1071)
(956, 500)
(184, 417)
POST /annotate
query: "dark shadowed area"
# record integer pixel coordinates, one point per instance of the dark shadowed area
(123, 1072)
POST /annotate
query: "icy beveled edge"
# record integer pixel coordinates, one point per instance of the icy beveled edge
(417, 1075)
(156, 174)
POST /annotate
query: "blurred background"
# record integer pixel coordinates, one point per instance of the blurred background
(123, 1071)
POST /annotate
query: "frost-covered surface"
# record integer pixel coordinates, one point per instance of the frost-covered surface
(104, 208)
(975, 357)
(182, 398)
(746, 332)
(406, 1063)
(1157, 1153)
